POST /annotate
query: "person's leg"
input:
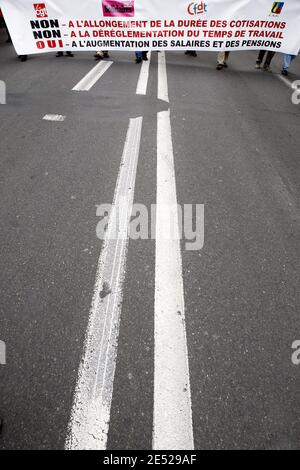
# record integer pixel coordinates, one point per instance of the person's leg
(144, 55)
(268, 60)
(105, 54)
(221, 60)
(59, 54)
(226, 57)
(138, 57)
(287, 60)
(260, 58)
(69, 54)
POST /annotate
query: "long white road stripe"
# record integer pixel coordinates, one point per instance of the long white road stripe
(142, 84)
(162, 89)
(93, 76)
(90, 416)
(173, 428)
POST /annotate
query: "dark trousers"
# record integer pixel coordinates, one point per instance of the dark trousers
(269, 57)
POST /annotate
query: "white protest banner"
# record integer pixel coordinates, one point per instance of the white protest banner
(153, 24)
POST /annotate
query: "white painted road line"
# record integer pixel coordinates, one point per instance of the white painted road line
(54, 117)
(162, 88)
(287, 82)
(173, 428)
(142, 84)
(93, 76)
(90, 416)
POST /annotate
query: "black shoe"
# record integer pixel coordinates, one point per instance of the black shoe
(8, 41)
(70, 54)
(23, 58)
(267, 68)
(187, 52)
(98, 57)
(106, 55)
(59, 54)
(193, 54)
(284, 72)
(220, 67)
(138, 61)
(145, 56)
(225, 65)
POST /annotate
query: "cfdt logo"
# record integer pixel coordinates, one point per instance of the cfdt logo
(197, 8)
(118, 8)
(40, 10)
(277, 8)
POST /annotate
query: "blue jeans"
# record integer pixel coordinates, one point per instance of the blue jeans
(287, 60)
(139, 55)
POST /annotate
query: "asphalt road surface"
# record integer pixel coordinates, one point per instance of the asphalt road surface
(141, 344)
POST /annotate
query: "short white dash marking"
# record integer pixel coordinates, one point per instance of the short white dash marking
(90, 416)
(142, 84)
(162, 91)
(173, 428)
(93, 76)
(54, 117)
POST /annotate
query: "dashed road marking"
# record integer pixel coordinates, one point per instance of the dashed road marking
(54, 117)
(162, 87)
(142, 84)
(93, 76)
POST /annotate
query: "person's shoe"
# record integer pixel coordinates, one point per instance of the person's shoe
(220, 67)
(139, 60)
(98, 57)
(258, 65)
(267, 68)
(70, 54)
(106, 55)
(23, 58)
(193, 54)
(225, 65)
(187, 52)
(8, 41)
(284, 72)
(59, 54)
(145, 56)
